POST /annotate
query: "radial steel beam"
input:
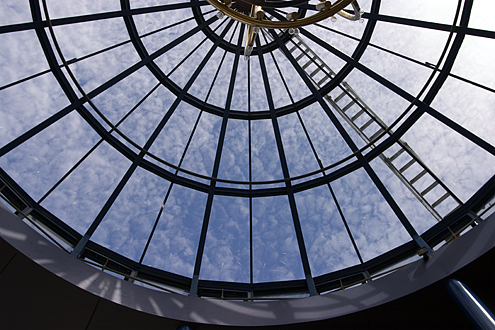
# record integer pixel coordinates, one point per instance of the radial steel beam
(285, 169)
(82, 243)
(216, 165)
(99, 16)
(345, 135)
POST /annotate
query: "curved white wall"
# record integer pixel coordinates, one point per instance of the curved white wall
(220, 312)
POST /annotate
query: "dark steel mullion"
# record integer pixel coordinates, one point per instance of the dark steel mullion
(424, 64)
(402, 218)
(428, 25)
(349, 233)
(251, 275)
(170, 188)
(75, 60)
(82, 243)
(96, 145)
(192, 51)
(77, 103)
(216, 166)
(341, 213)
(148, 59)
(285, 170)
(279, 71)
(100, 16)
(25, 79)
(380, 79)
(181, 159)
(449, 62)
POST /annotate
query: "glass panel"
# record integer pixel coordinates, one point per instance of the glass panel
(175, 242)
(327, 241)
(22, 56)
(78, 40)
(296, 85)
(469, 106)
(78, 7)
(168, 61)
(200, 156)
(388, 65)
(234, 164)
(459, 163)
(80, 197)
(119, 99)
(40, 162)
(372, 222)
(275, 250)
(411, 39)
(128, 224)
(218, 94)
(475, 60)
(93, 72)
(424, 10)
(226, 254)
(265, 158)
(300, 158)
(14, 11)
(27, 104)
(172, 140)
(328, 143)
(148, 23)
(258, 94)
(141, 124)
(481, 15)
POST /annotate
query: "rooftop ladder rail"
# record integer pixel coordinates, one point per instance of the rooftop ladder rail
(404, 163)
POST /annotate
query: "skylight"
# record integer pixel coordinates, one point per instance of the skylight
(139, 134)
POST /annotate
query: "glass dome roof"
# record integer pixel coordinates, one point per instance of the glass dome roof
(139, 138)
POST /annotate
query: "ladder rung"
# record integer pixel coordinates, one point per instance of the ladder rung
(368, 123)
(380, 131)
(350, 104)
(409, 163)
(417, 177)
(296, 46)
(300, 56)
(441, 199)
(325, 77)
(397, 154)
(310, 61)
(427, 190)
(338, 98)
(318, 69)
(358, 114)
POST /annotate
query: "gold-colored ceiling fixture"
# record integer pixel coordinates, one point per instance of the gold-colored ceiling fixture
(255, 19)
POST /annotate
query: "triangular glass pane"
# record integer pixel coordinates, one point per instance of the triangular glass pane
(80, 197)
(128, 224)
(375, 227)
(175, 243)
(327, 242)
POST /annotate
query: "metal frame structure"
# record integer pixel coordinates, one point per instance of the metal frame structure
(360, 158)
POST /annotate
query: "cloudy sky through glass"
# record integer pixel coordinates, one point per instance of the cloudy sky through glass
(262, 139)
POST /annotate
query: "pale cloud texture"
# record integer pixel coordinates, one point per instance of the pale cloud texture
(41, 161)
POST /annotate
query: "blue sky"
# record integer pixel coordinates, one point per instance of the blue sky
(41, 161)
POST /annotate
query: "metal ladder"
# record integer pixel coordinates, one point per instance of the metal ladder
(404, 161)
